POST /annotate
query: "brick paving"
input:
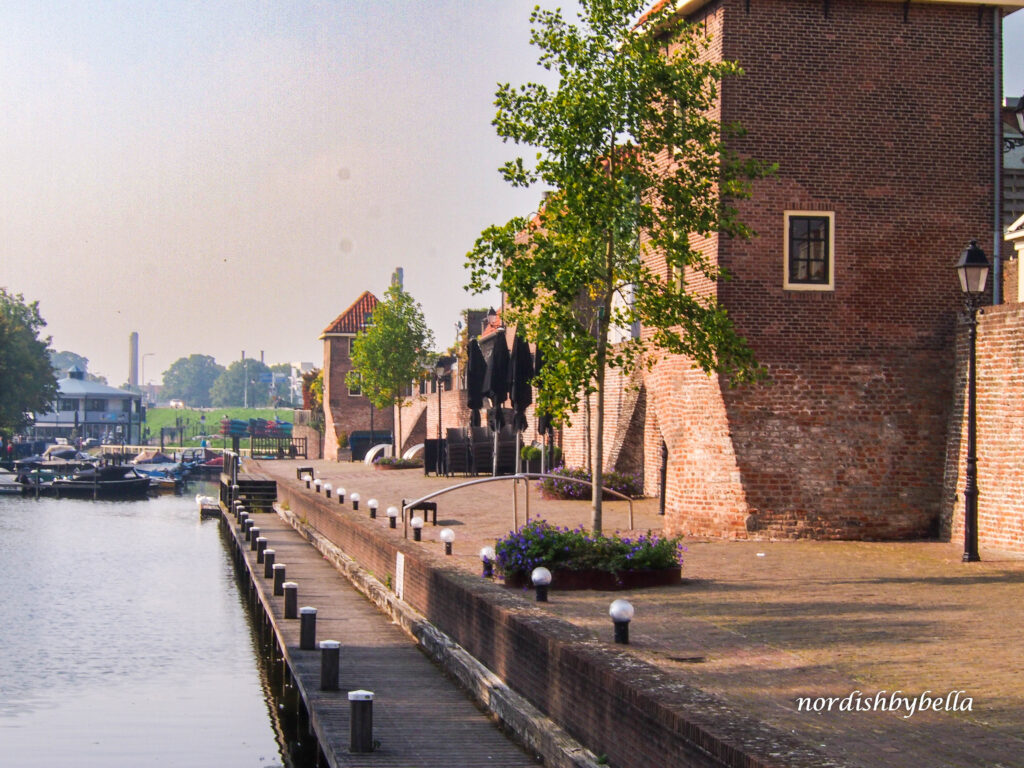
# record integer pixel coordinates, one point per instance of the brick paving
(761, 623)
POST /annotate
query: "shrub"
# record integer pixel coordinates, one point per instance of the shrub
(540, 543)
(398, 462)
(630, 485)
(342, 440)
(529, 452)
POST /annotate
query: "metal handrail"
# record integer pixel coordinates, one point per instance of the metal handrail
(525, 476)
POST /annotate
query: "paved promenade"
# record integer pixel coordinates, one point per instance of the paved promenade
(764, 624)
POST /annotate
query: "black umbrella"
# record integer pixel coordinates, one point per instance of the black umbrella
(496, 381)
(520, 374)
(476, 370)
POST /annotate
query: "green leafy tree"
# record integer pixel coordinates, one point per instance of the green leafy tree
(64, 360)
(27, 381)
(637, 165)
(391, 352)
(240, 385)
(191, 379)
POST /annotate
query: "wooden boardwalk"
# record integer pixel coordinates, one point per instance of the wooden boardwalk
(420, 717)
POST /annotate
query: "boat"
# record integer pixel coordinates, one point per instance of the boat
(9, 483)
(104, 482)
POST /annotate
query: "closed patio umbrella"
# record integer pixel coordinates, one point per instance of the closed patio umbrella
(496, 381)
(476, 369)
(520, 374)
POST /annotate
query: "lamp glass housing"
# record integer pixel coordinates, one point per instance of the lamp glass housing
(447, 535)
(972, 269)
(354, 497)
(621, 610)
(541, 576)
(392, 512)
(372, 503)
(487, 553)
(416, 522)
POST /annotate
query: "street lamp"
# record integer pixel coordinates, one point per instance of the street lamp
(972, 269)
(439, 370)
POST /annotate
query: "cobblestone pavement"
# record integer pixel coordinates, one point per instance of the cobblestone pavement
(762, 624)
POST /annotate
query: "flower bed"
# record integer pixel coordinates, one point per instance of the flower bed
(386, 462)
(581, 560)
(628, 485)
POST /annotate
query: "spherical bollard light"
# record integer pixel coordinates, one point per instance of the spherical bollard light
(372, 506)
(327, 489)
(355, 501)
(417, 528)
(621, 612)
(447, 535)
(319, 484)
(487, 558)
(541, 578)
(341, 495)
(392, 516)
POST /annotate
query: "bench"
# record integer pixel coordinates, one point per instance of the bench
(424, 507)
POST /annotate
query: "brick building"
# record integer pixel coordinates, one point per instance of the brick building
(846, 295)
(346, 409)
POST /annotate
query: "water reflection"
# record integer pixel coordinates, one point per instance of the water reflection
(125, 641)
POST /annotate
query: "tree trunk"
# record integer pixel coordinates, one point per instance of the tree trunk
(397, 436)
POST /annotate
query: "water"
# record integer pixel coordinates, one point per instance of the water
(124, 641)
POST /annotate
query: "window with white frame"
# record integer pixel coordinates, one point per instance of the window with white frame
(809, 251)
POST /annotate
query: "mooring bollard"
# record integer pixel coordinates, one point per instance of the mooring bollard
(361, 731)
(249, 523)
(330, 655)
(242, 517)
(261, 547)
(254, 536)
(291, 599)
(278, 573)
(268, 563)
(307, 630)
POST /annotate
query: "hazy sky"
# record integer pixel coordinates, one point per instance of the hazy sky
(221, 176)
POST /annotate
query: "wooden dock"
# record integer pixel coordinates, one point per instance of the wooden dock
(420, 717)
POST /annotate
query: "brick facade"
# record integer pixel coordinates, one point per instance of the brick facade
(846, 438)
(345, 412)
(1000, 432)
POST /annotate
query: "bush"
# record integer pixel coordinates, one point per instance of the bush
(342, 440)
(529, 452)
(540, 543)
(398, 462)
(630, 485)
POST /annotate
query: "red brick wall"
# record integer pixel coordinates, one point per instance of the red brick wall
(1000, 432)
(847, 438)
(342, 411)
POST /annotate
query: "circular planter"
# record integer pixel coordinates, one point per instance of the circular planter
(602, 580)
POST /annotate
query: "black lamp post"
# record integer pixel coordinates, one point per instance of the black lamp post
(439, 371)
(973, 272)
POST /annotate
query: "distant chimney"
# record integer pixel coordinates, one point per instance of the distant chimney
(133, 359)
(398, 277)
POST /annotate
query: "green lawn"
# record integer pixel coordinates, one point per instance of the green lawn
(193, 424)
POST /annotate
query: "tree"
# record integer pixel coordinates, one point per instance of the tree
(27, 381)
(191, 378)
(241, 384)
(391, 352)
(64, 360)
(637, 165)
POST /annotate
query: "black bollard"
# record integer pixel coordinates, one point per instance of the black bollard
(278, 569)
(268, 563)
(291, 599)
(242, 517)
(254, 535)
(247, 527)
(622, 632)
(330, 655)
(307, 631)
(261, 547)
(361, 731)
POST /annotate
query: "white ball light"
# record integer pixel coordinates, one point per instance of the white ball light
(416, 522)
(621, 610)
(487, 553)
(392, 512)
(541, 576)
(447, 535)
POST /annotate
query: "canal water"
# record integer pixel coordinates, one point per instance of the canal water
(124, 640)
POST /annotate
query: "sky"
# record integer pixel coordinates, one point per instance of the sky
(225, 176)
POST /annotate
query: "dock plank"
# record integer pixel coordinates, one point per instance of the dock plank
(420, 717)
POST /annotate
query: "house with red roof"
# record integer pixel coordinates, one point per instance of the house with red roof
(346, 408)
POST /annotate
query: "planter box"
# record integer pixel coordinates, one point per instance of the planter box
(602, 580)
(389, 467)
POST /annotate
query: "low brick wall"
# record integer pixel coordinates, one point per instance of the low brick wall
(612, 702)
